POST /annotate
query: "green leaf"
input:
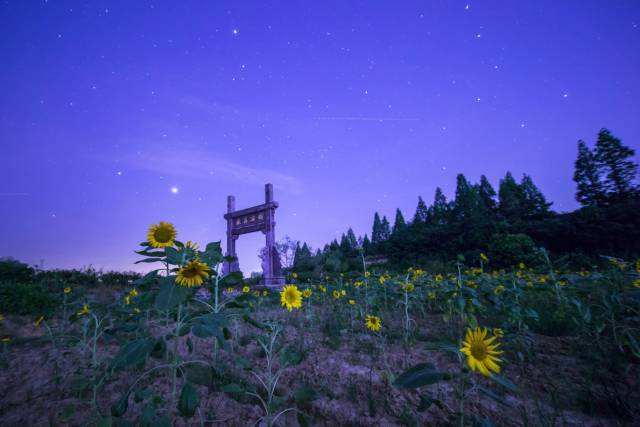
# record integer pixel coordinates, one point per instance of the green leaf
(243, 363)
(170, 294)
(504, 382)
(210, 325)
(425, 402)
(418, 376)
(212, 254)
(174, 256)
(104, 422)
(231, 388)
(198, 373)
(148, 260)
(231, 279)
(132, 353)
(189, 401)
(146, 252)
(119, 408)
(441, 345)
(290, 356)
(305, 393)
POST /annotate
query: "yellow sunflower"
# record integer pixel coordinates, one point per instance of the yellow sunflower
(636, 283)
(408, 287)
(373, 322)
(483, 257)
(352, 302)
(336, 294)
(66, 290)
(193, 274)
(307, 293)
(245, 289)
(161, 235)
(38, 321)
(85, 310)
(192, 245)
(480, 352)
(498, 290)
(291, 297)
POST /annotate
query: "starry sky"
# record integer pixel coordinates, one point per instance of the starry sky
(118, 114)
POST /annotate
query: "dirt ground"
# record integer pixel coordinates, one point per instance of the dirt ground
(352, 382)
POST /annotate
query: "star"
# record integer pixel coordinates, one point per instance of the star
(174, 190)
(235, 32)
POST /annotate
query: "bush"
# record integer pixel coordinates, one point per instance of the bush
(506, 250)
(12, 269)
(27, 298)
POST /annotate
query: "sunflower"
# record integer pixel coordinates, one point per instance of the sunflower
(245, 289)
(161, 235)
(193, 274)
(480, 352)
(498, 290)
(291, 297)
(373, 322)
(408, 287)
(636, 283)
(192, 245)
(343, 292)
(85, 310)
(483, 257)
(367, 273)
(336, 294)
(66, 290)
(352, 302)
(498, 332)
(307, 293)
(438, 278)
(38, 321)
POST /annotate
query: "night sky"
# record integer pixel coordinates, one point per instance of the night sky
(115, 115)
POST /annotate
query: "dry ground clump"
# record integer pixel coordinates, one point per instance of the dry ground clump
(351, 379)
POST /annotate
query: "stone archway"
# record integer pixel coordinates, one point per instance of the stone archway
(250, 220)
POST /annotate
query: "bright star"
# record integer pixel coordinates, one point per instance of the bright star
(174, 190)
(235, 31)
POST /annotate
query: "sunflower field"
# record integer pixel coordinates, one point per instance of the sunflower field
(186, 344)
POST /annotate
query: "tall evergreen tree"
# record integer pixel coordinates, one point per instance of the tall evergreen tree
(376, 233)
(351, 238)
(590, 190)
(465, 203)
(399, 223)
(385, 230)
(615, 162)
(510, 198)
(422, 212)
(366, 243)
(440, 209)
(533, 201)
(487, 194)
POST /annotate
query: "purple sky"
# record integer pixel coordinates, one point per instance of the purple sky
(346, 107)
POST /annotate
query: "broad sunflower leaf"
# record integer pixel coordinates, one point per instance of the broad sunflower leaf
(198, 373)
(231, 279)
(132, 353)
(420, 375)
(305, 393)
(119, 408)
(231, 388)
(189, 400)
(212, 254)
(174, 256)
(148, 260)
(170, 294)
(493, 395)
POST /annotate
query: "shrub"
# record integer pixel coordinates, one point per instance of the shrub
(12, 269)
(26, 298)
(506, 250)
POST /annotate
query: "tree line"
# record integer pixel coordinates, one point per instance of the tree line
(509, 225)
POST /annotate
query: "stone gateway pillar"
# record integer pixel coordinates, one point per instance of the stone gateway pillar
(249, 220)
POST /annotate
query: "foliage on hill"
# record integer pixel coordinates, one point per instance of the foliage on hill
(515, 218)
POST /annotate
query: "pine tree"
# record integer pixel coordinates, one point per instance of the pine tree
(614, 161)
(422, 212)
(352, 240)
(487, 194)
(533, 203)
(399, 223)
(366, 243)
(510, 198)
(376, 233)
(590, 190)
(465, 201)
(385, 230)
(440, 209)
